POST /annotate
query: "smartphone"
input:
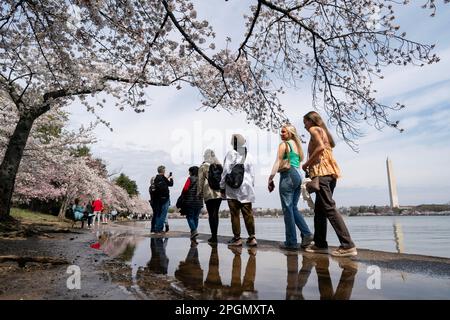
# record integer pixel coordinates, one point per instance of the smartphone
(271, 186)
(170, 174)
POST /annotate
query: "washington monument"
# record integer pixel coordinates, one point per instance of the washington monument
(392, 184)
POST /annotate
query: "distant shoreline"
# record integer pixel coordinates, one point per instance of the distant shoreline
(363, 215)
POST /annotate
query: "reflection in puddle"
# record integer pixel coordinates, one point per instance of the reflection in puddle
(219, 272)
(159, 262)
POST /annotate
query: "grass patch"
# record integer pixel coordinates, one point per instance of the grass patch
(27, 223)
(32, 217)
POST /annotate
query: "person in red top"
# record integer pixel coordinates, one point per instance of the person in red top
(97, 207)
(192, 202)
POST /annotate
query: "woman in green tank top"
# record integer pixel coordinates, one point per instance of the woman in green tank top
(294, 158)
(289, 188)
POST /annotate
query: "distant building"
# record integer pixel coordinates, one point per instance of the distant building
(392, 184)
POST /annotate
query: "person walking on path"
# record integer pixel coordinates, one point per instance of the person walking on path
(160, 199)
(113, 214)
(192, 202)
(238, 187)
(290, 150)
(97, 207)
(321, 164)
(89, 213)
(209, 176)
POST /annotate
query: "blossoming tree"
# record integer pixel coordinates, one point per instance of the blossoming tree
(53, 52)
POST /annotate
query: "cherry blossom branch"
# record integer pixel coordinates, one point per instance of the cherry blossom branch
(250, 31)
(188, 38)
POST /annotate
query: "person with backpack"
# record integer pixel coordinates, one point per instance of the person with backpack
(192, 203)
(209, 176)
(238, 187)
(160, 199)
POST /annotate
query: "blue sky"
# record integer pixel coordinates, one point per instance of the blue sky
(172, 132)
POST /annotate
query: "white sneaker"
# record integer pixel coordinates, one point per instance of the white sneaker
(342, 252)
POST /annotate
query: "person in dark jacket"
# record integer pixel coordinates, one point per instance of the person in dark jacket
(192, 202)
(160, 199)
(89, 213)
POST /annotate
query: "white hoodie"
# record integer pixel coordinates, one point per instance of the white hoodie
(246, 192)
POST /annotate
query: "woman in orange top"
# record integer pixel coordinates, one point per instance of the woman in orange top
(322, 164)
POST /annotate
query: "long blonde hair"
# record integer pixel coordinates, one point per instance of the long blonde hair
(294, 136)
(317, 120)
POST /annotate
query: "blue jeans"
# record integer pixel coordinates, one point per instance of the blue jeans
(290, 182)
(161, 216)
(192, 215)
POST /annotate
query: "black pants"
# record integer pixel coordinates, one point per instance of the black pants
(87, 218)
(154, 215)
(325, 208)
(213, 206)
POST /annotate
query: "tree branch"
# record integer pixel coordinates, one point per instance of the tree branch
(188, 38)
(250, 31)
(287, 12)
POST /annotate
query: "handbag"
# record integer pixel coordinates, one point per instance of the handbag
(285, 164)
(313, 185)
(180, 204)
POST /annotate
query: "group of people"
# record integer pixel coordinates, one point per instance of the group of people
(91, 211)
(234, 181)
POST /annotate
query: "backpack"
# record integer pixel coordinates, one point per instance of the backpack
(157, 189)
(152, 189)
(235, 178)
(214, 176)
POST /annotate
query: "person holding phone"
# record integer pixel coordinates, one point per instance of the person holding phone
(290, 149)
(160, 198)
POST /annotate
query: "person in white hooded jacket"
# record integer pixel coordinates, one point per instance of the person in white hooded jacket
(240, 199)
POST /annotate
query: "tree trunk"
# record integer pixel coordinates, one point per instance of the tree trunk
(11, 162)
(62, 210)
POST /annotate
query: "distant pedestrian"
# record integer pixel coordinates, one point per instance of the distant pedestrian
(192, 202)
(238, 187)
(209, 177)
(78, 212)
(322, 164)
(105, 215)
(97, 207)
(90, 213)
(289, 157)
(113, 214)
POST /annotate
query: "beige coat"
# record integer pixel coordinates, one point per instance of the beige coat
(203, 185)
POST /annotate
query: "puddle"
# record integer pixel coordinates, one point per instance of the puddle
(217, 272)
